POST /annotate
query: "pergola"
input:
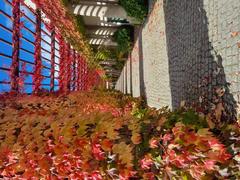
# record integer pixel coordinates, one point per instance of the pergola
(102, 19)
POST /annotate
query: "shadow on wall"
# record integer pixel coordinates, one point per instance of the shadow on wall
(139, 50)
(196, 72)
(138, 35)
(141, 68)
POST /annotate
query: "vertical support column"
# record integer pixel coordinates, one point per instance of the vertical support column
(37, 77)
(65, 67)
(89, 79)
(68, 67)
(84, 77)
(79, 72)
(131, 74)
(52, 59)
(61, 64)
(74, 73)
(14, 71)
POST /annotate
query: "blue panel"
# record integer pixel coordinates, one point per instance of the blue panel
(7, 8)
(46, 63)
(46, 81)
(46, 38)
(28, 35)
(46, 72)
(45, 46)
(6, 35)
(28, 24)
(57, 46)
(28, 13)
(4, 76)
(5, 21)
(28, 89)
(46, 55)
(27, 45)
(28, 67)
(56, 75)
(57, 53)
(4, 88)
(56, 88)
(43, 26)
(5, 48)
(26, 56)
(57, 60)
(5, 62)
(28, 79)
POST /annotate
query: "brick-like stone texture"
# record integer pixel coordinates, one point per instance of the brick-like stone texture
(186, 50)
(224, 35)
(128, 74)
(203, 54)
(156, 85)
(135, 70)
(148, 62)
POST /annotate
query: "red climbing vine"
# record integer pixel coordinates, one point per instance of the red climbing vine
(14, 71)
(52, 58)
(61, 24)
(65, 24)
(68, 67)
(37, 77)
(61, 63)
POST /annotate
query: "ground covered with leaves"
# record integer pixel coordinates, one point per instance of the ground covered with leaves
(105, 135)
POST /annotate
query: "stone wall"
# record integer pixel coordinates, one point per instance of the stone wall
(188, 50)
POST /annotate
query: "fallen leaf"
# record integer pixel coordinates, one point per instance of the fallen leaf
(234, 34)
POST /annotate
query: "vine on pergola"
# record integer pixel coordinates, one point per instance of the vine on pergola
(66, 25)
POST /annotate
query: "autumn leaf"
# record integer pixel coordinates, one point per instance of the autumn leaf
(234, 34)
(106, 145)
(204, 132)
(136, 138)
(45, 163)
(111, 132)
(124, 153)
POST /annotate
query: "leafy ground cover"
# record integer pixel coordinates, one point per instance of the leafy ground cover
(105, 135)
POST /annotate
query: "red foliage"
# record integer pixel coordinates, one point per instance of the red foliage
(64, 22)
(146, 163)
(37, 77)
(60, 23)
(14, 72)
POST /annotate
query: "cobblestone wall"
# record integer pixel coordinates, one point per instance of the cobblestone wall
(186, 51)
